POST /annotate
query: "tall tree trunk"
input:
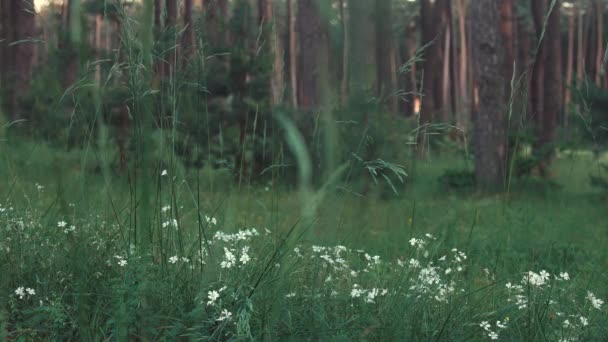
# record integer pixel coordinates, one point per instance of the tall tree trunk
(275, 51)
(361, 32)
(463, 96)
(413, 82)
(313, 58)
(553, 86)
(345, 47)
(591, 47)
(98, 46)
(159, 65)
(433, 27)
(580, 51)
(7, 56)
(599, 9)
(293, 53)
(67, 45)
(188, 38)
(537, 92)
(385, 86)
(25, 19)
(507, 29)
(171, 25)
(445, 74)
(490, 135)
(569, 64)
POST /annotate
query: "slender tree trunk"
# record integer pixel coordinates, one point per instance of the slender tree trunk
(25, 18)
(411, 48)
(293, 53)
(313, 55)
(553, 86)
(539, 9)
(7, 56)
(432, 33)
(599, 9)
(345, 48)
(507, 28)
(171, 25)
(275, 50)
(569, 64)
(591, 48)
(445, 78)
(490, 135)
(385, 86)
(580, 51)
(462, 89)
(188, 38)
(98, 46)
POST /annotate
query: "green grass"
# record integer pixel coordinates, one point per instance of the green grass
(82, 292)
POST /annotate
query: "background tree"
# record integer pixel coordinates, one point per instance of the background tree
(489, 121)
(313, 55)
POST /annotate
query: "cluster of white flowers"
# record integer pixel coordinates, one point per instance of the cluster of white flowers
(224, 315)
(165, 208)
(174, 259)
(369, 295)
(241, 235)
(23, 292)
(488, 330)
(595, 302)
(536, 279)
(230, 259)
(171, 222)
(214, 295)
(211, 220)
(120, 260)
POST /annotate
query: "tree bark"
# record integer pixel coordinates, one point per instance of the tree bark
(599, 9)
(171, 25)
(275, 51)
(580, 51)
(433, 27)
(462, 94)
(25, 20)
(490, 135)
(386, 82)
(293, 53)
(345, 47)
(313, 58)
(413, 82)
(539, 9)
(188, 38)
(569, 63)
(553, 86)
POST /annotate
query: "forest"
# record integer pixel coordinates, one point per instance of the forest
(303, 170)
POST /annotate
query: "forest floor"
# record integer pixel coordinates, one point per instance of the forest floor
(425, 264)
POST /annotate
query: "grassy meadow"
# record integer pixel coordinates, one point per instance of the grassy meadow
(94, 254)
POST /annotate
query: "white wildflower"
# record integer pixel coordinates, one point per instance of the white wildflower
(62, 224)
(20, 291)
(356, 292)
(212, 296)
(596, 302)
(229, 259)
(225, 315)
(174, 259)
(164, 173)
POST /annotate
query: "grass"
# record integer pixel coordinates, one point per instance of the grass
(99, 283)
